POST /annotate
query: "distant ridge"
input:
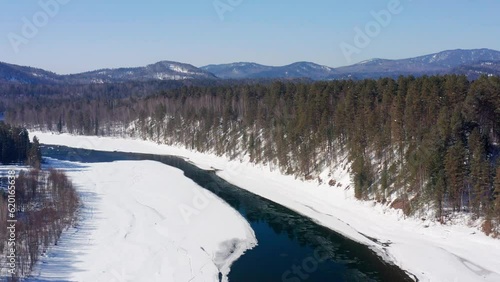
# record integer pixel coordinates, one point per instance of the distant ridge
(446, 62)
(472, 63)
(164, 70)
(253, 70)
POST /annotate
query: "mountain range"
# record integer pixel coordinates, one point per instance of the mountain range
(472, 63)
(164, 70)
(253, 70)
(469, 62)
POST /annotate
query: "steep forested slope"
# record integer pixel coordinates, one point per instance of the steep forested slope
(429, 143)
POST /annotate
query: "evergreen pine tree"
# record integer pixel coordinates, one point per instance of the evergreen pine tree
(35, 154)
(455, 173)
(496, 195)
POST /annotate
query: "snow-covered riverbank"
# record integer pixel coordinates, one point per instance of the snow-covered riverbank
(430, 251)
(144, 221)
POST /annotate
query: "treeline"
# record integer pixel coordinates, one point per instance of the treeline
(429, 143)
(15, 146)
(118, 90)
(46, 204)
(11, 91)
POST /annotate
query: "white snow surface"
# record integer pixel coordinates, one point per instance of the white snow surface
(144, 221)
(428, 250)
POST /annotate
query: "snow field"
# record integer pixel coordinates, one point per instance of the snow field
(145, 221)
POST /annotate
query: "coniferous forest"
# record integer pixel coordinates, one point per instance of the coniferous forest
(15, 147)
(427, 143)
(45, 203)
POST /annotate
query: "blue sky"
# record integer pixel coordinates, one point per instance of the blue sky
(85, 35)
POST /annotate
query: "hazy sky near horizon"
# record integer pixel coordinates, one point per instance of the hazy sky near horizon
(83, 35)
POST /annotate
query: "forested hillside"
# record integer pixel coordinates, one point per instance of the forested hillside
(429, 143)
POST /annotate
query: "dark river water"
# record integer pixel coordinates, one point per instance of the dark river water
(291, 247)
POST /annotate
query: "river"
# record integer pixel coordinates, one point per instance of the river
(291, 247)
